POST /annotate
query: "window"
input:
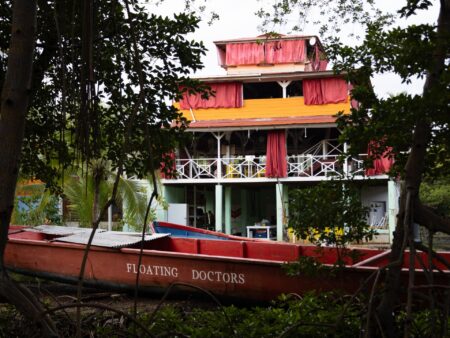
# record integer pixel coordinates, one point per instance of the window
(295, 88)
(262, 90)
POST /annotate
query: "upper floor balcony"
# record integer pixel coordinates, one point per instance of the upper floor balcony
(251, 168)
(323, 161)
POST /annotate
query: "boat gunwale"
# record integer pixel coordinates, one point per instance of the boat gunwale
(190, 256)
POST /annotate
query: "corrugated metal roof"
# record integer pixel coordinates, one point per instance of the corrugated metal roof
(59, 230)
(110, 239)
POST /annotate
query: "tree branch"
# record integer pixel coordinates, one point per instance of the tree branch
(427, 217)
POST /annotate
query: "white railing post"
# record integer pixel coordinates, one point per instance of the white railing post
(218, 137)
(346, 160)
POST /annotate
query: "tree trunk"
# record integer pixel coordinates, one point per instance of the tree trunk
(14, 104)
(15, 97)
(413, 177)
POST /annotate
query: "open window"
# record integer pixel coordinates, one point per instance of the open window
(294, 89)
(262, 90)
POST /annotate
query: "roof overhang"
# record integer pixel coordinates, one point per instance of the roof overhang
(267, 77)
(267, 37)
(323, 121)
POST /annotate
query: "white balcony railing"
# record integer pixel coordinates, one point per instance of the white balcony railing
(255, 167)
(197, 168)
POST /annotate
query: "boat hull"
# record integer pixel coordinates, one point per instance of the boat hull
(232, 269)
(224, 276)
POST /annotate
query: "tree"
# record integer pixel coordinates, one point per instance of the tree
(96, 82)
(80, 191)
(413, 128)
(435, 194)
(329, 213)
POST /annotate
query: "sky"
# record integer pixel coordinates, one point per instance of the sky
(238, 19)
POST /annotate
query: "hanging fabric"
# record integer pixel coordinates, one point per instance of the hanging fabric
(226, 95)
(290, 51)
(168, 168)
(382, 164)
(244, 54)
(324, 91)
(276, 163)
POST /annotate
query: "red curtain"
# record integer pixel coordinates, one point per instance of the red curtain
(323, 91)
(323, 64)
(316, 63)
(168, 166)
(227, 95)
(285, 51)
(244, 54)
(334, 90)
(276, 165)
(312, 92)
(382, 164)
(353, 103)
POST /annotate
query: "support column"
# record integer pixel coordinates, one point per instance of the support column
(284, 85)
(244, 210)
(218, 137)
(219, 207)
(162, 214)
(110, 217)
(285, 206)
(324, 148)
(228, 210)
(280, 210)
(392, 207)
(346, 160)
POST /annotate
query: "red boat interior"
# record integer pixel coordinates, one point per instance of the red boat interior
(261, 250)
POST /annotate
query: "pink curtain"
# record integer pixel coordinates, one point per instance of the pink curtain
(285, 51)
(323, 91)
(244, 54)
(353, 103)
(316, 63)
(276, 52)
(334, 90)
(227, 95)
(381, 165)
(276, 165)
(312, 91)
(323, 64)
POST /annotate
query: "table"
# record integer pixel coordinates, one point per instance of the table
(261, 231)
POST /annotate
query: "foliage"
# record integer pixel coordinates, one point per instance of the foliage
(414, 129)
(329, 213)
(307, 266)
(427, 323)
(36, 206)
(410, 52)
(436, 194)
(329, 16)
(123, 86)
(80, 191)
(313, 315)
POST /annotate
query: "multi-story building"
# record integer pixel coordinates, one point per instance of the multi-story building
(270, 127)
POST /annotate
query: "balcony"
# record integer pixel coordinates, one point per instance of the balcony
(253, 168)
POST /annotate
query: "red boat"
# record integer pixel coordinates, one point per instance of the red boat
(242, 269)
